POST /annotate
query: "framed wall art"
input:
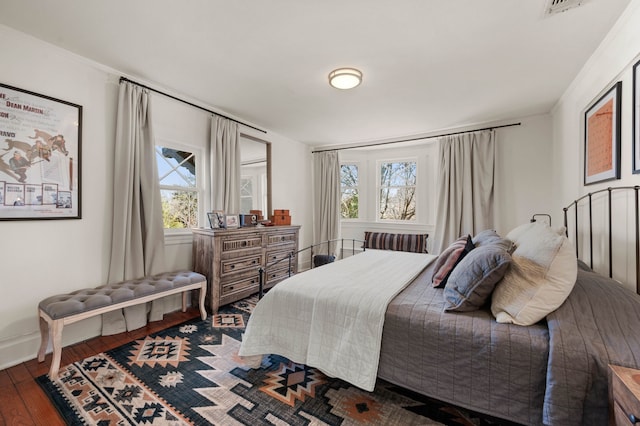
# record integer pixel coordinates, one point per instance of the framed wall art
(40, 162)
(602, 137)
(636, 117)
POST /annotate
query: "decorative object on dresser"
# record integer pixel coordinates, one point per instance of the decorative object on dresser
(216, 219)
(281, 217)
(624, 395)
(231, 221)
(231, 259)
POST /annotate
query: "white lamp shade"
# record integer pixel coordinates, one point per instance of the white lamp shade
(345, 78)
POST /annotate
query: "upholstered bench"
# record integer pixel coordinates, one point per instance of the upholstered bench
(57, 311)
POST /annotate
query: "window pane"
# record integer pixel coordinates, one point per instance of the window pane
(349, 175)
(179, 209)
(398, 174)
(349, 204)
(397, 191)
(175, 167)
(349, 189)
(177, 176)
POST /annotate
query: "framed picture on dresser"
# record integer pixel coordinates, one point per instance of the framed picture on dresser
(602, 123)
(216, 219)
(232, 221)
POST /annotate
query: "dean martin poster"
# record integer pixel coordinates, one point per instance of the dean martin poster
(40, 140)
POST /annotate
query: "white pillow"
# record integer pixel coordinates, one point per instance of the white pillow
(542, 274)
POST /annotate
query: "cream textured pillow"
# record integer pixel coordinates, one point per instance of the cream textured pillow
(542, 274)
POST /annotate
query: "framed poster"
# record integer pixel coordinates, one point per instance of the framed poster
(602, 137)
(40, 145)
(636, 117)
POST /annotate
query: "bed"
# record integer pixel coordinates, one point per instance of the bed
(550, 370)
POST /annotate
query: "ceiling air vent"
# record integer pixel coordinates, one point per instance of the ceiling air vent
(556, 6)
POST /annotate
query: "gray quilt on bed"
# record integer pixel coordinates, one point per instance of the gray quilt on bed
(555, 375)
(599, 324)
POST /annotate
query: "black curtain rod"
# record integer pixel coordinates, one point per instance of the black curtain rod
(189, 103)
(416, 138)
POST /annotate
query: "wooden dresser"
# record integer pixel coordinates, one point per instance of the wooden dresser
(624, 395)
(231, 259)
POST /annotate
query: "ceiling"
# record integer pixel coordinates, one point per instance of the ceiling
(428, 65)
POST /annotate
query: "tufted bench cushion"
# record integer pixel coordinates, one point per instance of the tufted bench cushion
(64, 305)
(57, 311)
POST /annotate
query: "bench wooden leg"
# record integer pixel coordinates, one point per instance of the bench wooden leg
(56, 336)
(44, 337)
(203, 295)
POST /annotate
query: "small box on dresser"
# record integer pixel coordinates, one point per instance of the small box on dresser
(231, 260)
(624, 395)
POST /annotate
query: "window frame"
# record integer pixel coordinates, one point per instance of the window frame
(378, 187)
(198, 188)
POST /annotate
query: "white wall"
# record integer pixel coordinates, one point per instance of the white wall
(41, 258)
(611, 62)
(523, 172)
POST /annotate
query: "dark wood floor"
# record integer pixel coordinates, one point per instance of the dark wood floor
(22, 402)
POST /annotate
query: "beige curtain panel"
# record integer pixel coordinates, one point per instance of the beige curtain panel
(465, 186)
(225, 165)
(327, 197)
(137, 244)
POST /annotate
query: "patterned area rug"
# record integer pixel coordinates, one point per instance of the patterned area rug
(191, 374)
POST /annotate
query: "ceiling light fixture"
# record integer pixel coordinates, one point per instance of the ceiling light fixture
(345, 78)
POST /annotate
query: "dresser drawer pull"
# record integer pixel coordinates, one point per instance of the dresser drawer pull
(634, 419)
(231, 288)
(232, 266)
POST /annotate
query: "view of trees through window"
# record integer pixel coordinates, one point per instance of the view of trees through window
(349, 189)
(177, 175)
(397, 190)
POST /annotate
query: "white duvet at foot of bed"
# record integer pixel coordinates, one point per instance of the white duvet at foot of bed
(332, 317)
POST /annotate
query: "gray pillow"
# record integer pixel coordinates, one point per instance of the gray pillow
(485, 236)
(473, 279)
(491, 237)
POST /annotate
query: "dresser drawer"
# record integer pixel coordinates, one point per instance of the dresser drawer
(277, 274)
(625, 394)
(283, 238)
(240, 285)
(275, 255)
(240, 264)
(230, 244)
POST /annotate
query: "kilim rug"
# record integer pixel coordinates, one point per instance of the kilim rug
(191, 374)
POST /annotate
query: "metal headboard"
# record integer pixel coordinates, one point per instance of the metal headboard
(588, 199)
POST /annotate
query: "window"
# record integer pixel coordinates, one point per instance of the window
(177, 175)
(349, 191)
(397, 190)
